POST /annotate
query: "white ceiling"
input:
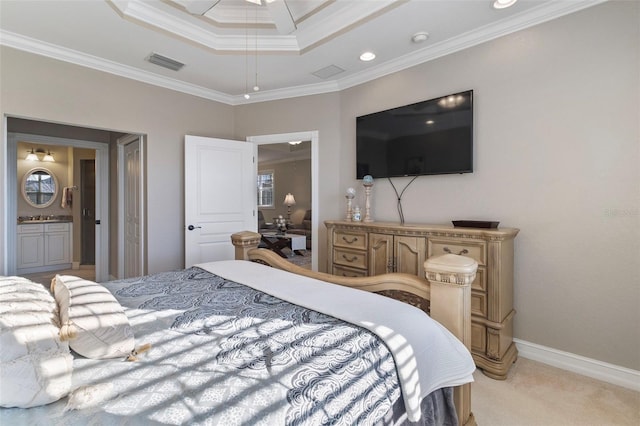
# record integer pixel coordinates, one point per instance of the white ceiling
(286, 41)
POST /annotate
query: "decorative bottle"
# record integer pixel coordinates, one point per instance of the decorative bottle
(357, 216)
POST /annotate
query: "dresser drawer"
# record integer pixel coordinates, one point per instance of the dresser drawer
(476, 250)
(479, 303)
(351, 239)
(480, 282)
(348, 272)
(351, 258)
(478, 337)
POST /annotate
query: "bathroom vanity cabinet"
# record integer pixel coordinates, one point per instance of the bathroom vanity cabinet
(43, 247)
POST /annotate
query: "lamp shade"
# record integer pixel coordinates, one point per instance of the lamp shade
(31, 156)
(289, 200)
(49, 157)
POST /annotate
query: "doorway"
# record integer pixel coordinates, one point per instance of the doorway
(87, 212)
(68, 138)
(314, 137)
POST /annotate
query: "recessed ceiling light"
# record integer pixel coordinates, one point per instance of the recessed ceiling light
(503, 4)
(420, 37)
(367, 56)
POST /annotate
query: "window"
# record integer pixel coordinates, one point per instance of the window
(265, 188)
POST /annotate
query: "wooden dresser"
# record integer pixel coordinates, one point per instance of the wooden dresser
(374, 248)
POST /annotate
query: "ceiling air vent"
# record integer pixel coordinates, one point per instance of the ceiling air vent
(165, 62)
(327, 72)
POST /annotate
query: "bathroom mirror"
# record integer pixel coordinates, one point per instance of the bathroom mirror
(40, 187)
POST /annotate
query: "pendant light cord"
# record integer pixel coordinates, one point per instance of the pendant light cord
(256, 87)
(246, 52)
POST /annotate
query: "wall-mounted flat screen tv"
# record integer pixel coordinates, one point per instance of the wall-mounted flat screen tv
(426, 138)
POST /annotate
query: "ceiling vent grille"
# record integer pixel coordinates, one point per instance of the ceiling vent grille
(165, 62)
(327, 72)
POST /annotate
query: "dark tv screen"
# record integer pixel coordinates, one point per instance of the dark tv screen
(426, 138)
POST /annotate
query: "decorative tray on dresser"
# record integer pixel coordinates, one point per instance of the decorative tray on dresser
(374, 248)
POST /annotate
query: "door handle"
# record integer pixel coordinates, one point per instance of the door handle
(191, 227)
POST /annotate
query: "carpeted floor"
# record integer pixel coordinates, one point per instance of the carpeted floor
(302, 258)
(86, 272)
(535, 394)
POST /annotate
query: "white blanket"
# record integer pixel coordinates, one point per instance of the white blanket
(428, 357)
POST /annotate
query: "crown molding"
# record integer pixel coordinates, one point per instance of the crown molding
(164, 17)
(49, 50)
(532, 17)
(538, 15)
(192, 29)
(288, 92)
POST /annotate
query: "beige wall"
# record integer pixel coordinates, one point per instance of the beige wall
(293, 177)
(39, 88)
(557, 144)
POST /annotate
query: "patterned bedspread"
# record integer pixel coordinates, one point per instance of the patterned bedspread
(224, 353)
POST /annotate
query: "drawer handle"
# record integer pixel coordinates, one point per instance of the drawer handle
(349, 241)
(350, 259)
(448, 250)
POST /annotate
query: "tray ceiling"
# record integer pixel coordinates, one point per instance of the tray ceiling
(285, 47)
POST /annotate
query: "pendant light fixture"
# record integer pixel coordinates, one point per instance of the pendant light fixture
(255, 86)
(246, 53)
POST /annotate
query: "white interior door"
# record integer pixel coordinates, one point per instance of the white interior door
(130, 213)
(220, 196)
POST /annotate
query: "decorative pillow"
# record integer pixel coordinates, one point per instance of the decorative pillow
(35, 365)
(91, 319)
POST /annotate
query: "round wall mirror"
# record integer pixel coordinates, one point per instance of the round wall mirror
(40, 187)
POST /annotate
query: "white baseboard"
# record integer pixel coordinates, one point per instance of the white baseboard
(599, 370)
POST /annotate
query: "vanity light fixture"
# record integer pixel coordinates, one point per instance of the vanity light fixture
(503, 4)
(49, 157)
(367, 56)
(31, 156)
(295, 142)
(34, 155)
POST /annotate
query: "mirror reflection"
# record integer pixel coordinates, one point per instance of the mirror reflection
(40, 187)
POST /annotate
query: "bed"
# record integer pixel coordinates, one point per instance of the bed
(239, 342)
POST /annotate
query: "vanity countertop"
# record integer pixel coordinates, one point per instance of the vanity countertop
(24, 220)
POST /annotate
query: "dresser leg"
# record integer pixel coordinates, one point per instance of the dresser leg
(497, 369)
